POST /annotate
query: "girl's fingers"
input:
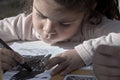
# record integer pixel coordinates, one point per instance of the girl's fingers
(60, 67)
(18, 58)
(6, 66)
(104, 57)
(109, 50)
(6, 52)
(54, 61)
(106, 60)
(107, 71)
(67, 70)
(70, 68)
(8, 60)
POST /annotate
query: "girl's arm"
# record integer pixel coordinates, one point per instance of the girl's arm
(107, 32)
(87, 49)
(17, 28)
(106, 62)
(70, 60)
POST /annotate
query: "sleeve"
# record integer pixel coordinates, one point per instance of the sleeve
(17, 28)
(87, 48)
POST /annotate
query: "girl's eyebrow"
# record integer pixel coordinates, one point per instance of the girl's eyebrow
(69, 22)
(39, 12)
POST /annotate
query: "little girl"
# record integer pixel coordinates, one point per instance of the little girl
(61, 21)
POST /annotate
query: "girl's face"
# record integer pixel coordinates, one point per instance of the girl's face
(53, 22)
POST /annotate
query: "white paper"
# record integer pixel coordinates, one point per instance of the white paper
(34, 48)
(8, 75)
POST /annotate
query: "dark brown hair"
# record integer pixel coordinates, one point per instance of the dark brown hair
(108, 8)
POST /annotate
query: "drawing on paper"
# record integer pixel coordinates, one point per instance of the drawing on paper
(37, 63)
(34, 53)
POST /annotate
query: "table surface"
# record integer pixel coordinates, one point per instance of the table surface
(80, 72)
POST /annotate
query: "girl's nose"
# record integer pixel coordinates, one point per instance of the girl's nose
(48, 27)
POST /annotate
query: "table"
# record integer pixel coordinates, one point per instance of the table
(80, 71)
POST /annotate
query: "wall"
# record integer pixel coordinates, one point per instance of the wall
(10, 8)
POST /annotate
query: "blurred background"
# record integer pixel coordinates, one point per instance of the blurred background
(11, 7)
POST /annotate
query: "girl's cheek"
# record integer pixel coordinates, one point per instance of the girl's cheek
(37, 23)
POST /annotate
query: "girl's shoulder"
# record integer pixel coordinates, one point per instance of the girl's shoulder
(109, 22)
(19, 17)
(108, 25)
(24, 16)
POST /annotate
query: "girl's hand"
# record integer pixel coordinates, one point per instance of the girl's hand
(9, 59)
(66, 62)
(106, 62)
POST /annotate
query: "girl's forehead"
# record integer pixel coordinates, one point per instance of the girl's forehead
(51, 9)
(55, 12)
(47, 3)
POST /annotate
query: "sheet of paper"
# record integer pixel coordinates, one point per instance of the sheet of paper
(8, 75)
(34, 49)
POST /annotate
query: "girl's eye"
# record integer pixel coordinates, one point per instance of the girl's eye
(65, 24)
(41, 16)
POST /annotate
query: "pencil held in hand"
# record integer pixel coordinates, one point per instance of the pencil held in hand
(17, 57)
